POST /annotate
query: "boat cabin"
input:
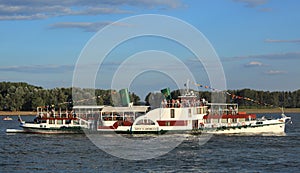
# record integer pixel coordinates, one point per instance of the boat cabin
(226, 113)
(51, 117)
(108, 117)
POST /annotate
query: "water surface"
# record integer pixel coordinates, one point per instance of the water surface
(76, 153)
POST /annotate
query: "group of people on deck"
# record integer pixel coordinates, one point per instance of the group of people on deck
(51, 114)
(177, 103)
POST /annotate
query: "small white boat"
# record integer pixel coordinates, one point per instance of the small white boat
(7, 118)
(49, 123)
(14, 131)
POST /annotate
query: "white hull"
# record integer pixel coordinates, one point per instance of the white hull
(52, 131)
(7, 118)
(14, 131)
(278, 128)
(55, 126)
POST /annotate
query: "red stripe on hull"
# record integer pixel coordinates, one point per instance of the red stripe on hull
(172, 122)
(246, 116)
(106, 127)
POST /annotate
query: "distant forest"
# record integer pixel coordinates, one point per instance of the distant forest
(20, 96)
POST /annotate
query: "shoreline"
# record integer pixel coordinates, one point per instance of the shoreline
(255, 111)
(16, 113)
(271, 110)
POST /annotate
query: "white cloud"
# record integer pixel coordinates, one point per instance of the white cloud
(86, 26)
(282, 41)
(275, 56)
(254, 64)
(35, 9)
(266, 9)
(276, 72)
(50, 68)
(252, 3)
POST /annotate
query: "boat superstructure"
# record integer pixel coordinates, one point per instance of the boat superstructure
(226, 119)
(110, 119)
(48, 122)
(175, 115)
(186, 114)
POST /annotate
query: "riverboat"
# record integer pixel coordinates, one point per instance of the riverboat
(187, 114)
(48, 122)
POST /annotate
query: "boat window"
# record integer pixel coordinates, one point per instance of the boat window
(129, 114)
(59, 122)
(242, 119)
(224, 120)
(172, 113)
(68, 121)
(107, 118)
(199, 110)
(76, 121)
(137, 114)
(190, 113)
(204, 110)
(117, 116)
(106, 114)
(145, 122)
(216, 121)
(51, 121)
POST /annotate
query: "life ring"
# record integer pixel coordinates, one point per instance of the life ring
(243, 123)
(229, 124)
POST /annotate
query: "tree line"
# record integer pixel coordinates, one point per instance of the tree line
(20, 96)
(245, 98)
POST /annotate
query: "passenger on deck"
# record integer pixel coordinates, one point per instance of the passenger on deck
(36, 120)
(173, 103)
(234, 110)
(230, 110)
(177, 104)
(203, 101)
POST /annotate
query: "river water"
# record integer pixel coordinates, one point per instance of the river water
(76, 153)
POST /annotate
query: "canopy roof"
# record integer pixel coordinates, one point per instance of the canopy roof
(113, 109)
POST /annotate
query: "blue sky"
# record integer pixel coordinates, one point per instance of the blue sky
(257, 41)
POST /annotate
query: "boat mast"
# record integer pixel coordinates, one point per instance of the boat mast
(187, 85)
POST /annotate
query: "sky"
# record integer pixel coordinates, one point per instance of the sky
(257, 41)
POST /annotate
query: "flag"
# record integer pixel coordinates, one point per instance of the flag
(167, 94)
(124, 97)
